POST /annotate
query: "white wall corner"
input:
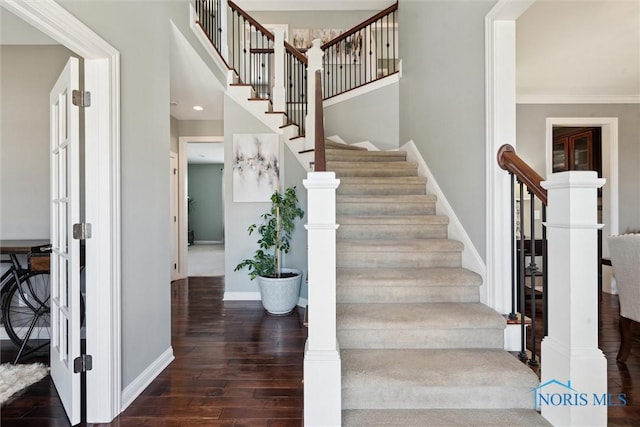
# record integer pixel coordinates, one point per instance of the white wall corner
(471, 259)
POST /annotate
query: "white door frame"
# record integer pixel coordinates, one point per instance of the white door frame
(500, 75)
(182, 196)
(102, 178)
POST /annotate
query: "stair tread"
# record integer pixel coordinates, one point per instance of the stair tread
(400, 245)
(329, 144)
(427, 276)
(385, 180)
(423, 316)
(367, 165)
(382, 199)
(442, 417)
(392, 220)
(426, 368)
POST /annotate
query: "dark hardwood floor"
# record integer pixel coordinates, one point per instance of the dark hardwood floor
(237, 366)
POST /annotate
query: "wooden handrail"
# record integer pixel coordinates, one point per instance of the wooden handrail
(320, 164)
(360, 26)
(252, 21)
(510, 161)
(295, 52)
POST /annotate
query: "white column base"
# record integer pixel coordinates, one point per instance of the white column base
(322, 388)
(583, 401)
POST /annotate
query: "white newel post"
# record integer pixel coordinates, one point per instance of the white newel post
(278, 71)
(572, 363)
(322, 369)
(314, 63)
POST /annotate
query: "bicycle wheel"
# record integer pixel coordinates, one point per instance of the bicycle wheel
(26, 311)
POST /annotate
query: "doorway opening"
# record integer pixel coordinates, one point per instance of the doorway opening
(201, 202)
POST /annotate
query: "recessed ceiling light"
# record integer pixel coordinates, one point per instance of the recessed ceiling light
(198, 108)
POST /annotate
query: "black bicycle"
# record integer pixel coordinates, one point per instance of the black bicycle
(25, 295)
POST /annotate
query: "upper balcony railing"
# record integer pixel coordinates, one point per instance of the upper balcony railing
(278, 72)
(365, 53)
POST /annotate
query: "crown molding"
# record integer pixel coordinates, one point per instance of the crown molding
(578, 99)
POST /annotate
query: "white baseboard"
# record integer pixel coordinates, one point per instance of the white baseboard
(241, 296)
(207, 242)
(137, 386)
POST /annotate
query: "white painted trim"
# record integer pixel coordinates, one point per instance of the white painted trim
(241, 296)
(207, 242)
(578, 99)
(102, 132)
(610, 190)
(137, 386)
(183, 248)
(312, 5)
(500, 108)
(369, 87)
(471, 259)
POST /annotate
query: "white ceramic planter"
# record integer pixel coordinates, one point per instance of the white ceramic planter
(280, 296)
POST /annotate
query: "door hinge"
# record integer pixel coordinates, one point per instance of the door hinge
(83, 363)
(80, 98)
(82, 231)
(175, 266)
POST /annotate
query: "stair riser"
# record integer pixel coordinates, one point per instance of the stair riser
(355, 156)
(420, 338)
(446, 397)
(389, 232)
(386, 209)
(398, 259)
(381, 189)
(340, 172)
(408, 294)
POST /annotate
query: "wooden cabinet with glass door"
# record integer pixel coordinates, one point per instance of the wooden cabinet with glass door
(573, 149)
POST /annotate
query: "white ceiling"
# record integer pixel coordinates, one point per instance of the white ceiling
(579, 49)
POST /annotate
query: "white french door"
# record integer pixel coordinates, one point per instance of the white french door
(65, 256)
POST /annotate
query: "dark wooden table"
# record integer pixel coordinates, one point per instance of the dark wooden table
(20, 246)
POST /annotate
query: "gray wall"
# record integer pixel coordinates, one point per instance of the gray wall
(442, 100)
(531, 138)
(27, 74)
(141, 32)
(200, 127)
(371, 117)
(239, 216)
(173, 139)
(205, 188)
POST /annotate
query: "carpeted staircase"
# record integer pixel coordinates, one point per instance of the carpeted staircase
(417, 346)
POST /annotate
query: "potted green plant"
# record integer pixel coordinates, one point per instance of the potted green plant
(279, 286)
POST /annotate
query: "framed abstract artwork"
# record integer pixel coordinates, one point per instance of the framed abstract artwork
(256, 167)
